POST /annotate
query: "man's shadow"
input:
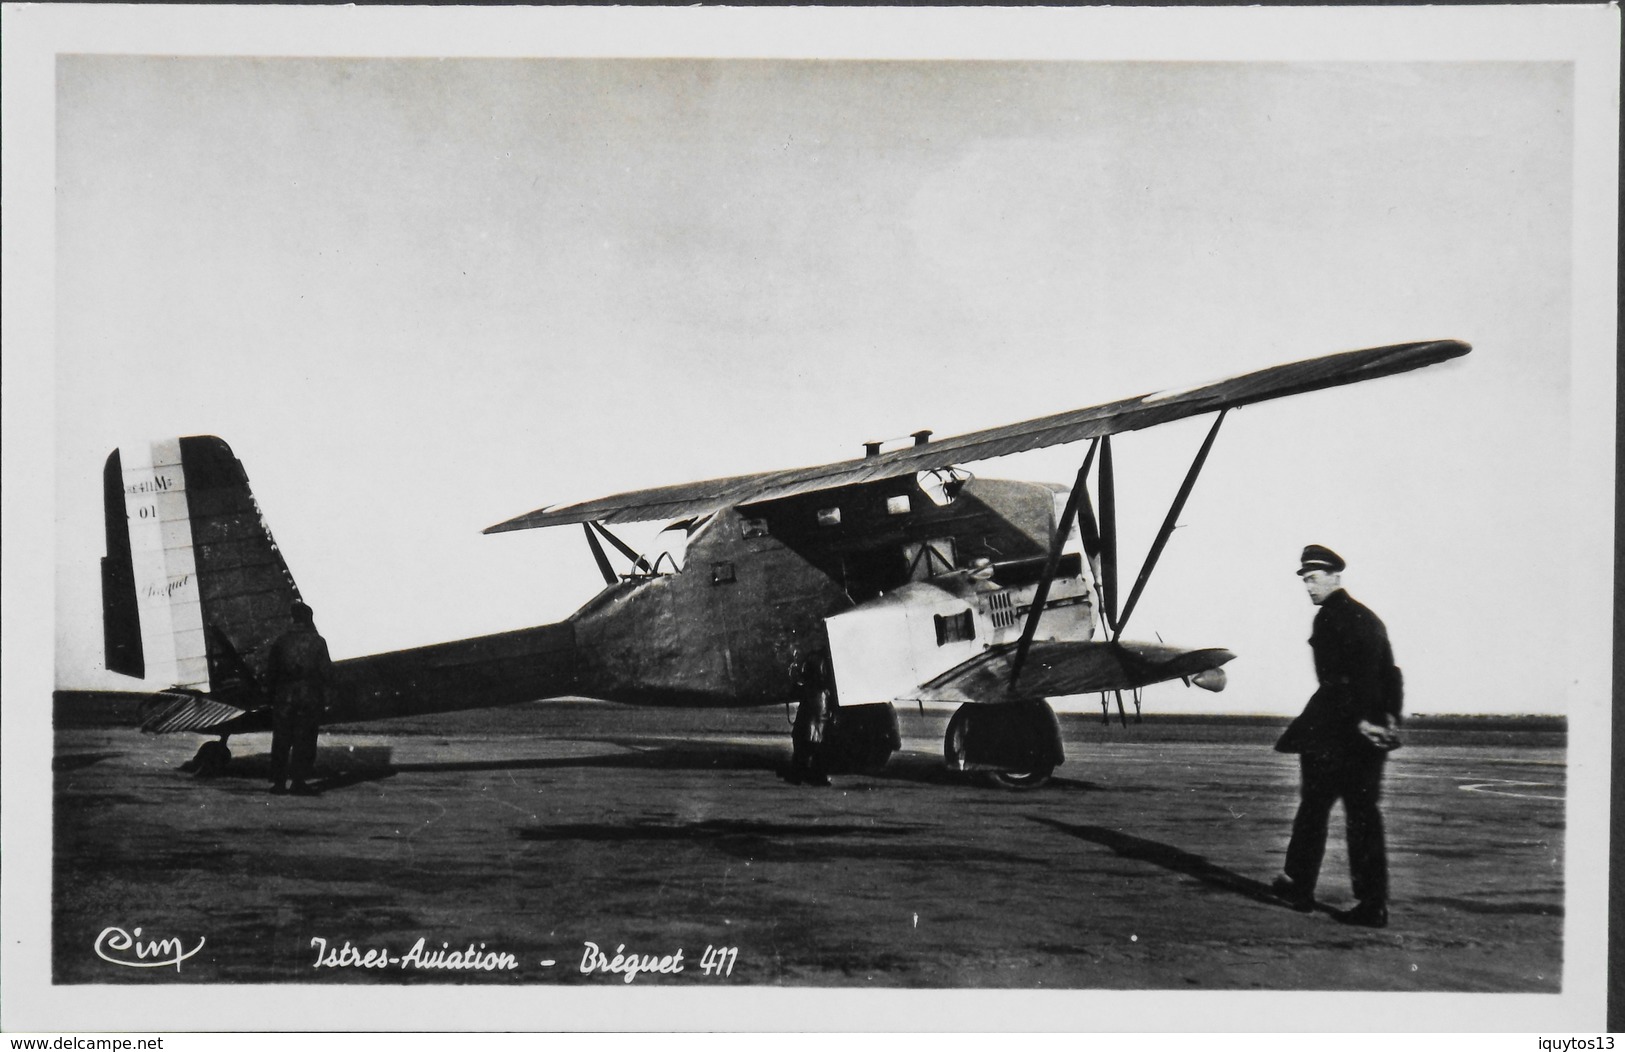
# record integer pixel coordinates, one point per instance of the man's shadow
(1178, 861)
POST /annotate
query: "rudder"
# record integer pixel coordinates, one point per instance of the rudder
(194, 588)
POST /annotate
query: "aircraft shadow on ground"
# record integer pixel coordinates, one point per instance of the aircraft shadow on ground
(1174, 859)
(930, 770)
(759, 841)
(338, 768)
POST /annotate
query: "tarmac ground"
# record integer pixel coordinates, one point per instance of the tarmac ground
(535, 832)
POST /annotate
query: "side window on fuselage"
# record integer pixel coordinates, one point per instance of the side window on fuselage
(955, 628)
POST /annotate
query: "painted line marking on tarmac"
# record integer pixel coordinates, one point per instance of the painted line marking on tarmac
(1488, 788)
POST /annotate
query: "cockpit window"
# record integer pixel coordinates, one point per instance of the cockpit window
(927, 559)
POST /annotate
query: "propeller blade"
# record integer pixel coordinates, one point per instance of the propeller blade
(1087, 526)
(1090, 531)
(1108, 532)
(598, 555)
(625, 549)
(1079, 494)
(1168, 523)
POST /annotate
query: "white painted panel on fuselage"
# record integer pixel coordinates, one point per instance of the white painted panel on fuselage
(884, 649)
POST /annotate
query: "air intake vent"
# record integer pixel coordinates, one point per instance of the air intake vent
(1002, 609)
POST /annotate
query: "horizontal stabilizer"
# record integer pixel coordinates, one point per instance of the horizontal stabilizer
(1129, 414)
(1056, 668)
(172, 711)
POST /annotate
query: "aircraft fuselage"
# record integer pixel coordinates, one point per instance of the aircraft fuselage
(758, 583)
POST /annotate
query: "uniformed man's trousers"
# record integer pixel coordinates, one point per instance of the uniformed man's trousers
(1357, 781)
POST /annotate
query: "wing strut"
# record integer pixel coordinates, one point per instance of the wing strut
(625, 549)
(1167, 524)
(1079, 494)
(598, 555)
(1103, 540)
(1108, 533)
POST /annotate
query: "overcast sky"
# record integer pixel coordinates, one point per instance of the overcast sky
(419, 297)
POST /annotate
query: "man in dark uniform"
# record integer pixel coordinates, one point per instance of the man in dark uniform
(299, 673)
(1343, 738)
(814, 713)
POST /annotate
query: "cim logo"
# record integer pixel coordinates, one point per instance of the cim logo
(117, 946)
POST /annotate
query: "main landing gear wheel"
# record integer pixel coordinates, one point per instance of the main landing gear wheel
(859, 739)
(1015, 747)
(210, 761)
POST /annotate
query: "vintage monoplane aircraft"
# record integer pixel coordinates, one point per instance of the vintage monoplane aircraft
(915, 580)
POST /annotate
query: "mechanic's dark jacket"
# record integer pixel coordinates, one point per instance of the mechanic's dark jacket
(300, 670)
(1358, 681)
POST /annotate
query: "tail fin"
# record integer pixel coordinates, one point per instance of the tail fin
(194, 590)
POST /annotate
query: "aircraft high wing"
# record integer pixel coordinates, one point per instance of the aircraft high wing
(1129, 414)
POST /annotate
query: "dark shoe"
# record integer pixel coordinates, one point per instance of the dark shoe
(1294, 896)
(1366, 915)
(301, 789)
(279, 789)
